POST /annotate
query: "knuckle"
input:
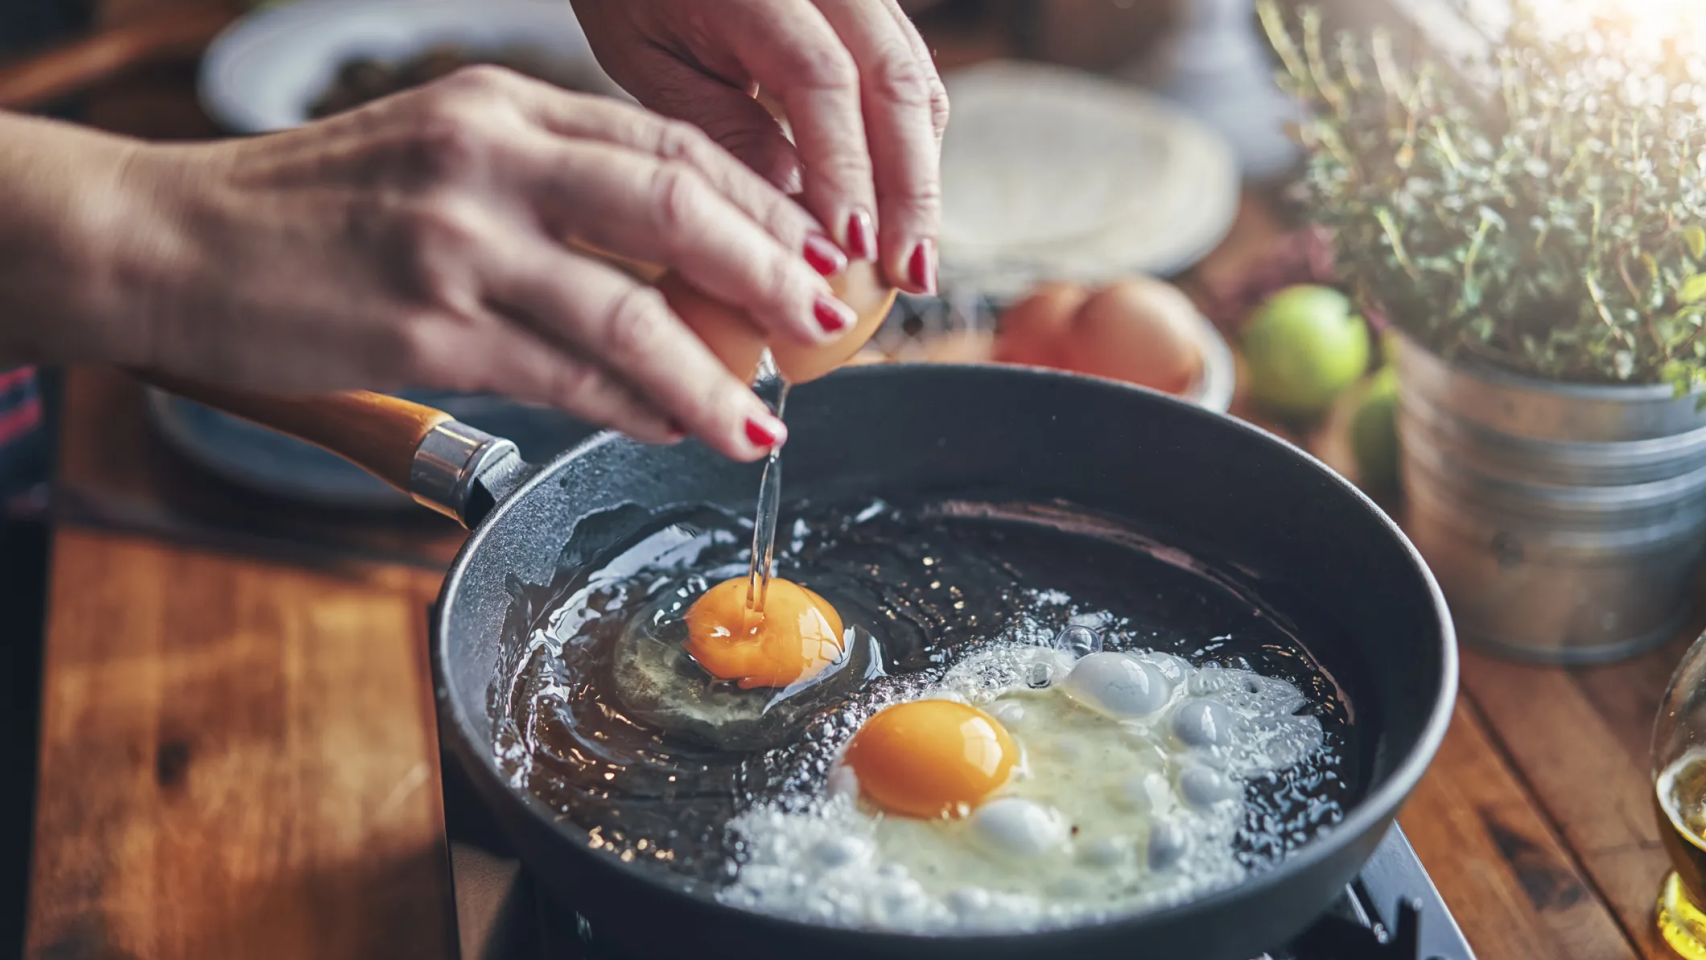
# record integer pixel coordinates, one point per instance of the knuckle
(635, 322)
(795, 290)
(482, 78)
(923, 199)
(678, 194)
(939, 105)
(441, 227)
(449, 143)
(682, 142)
(846, 166)
(901, 79)
(830, 69)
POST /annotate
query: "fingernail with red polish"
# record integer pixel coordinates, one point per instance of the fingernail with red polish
(861, 236)
(824, 256)
(921, 266)
(833, 315)
(766, 432)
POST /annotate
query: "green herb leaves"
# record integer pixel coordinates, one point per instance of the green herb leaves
(1550, 220)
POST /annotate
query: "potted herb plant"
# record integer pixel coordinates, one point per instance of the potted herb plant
(1531, 221)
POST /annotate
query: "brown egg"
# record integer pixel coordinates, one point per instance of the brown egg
(1137, 330)
(1033, 330)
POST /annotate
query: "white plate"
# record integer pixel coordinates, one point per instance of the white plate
(262, 73)
(1051, 173)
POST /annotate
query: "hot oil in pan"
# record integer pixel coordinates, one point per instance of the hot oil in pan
(919, 586)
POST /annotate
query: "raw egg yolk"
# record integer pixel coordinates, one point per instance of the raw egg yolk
(794, 638)
(930, 758)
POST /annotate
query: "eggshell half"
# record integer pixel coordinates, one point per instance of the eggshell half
(740, 343)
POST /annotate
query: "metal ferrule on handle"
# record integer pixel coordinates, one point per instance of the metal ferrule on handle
(450, 460)
(448, 466)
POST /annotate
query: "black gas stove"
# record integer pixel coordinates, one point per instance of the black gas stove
(1390, 912)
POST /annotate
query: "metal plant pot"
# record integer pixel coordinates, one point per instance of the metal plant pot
(1566, 523)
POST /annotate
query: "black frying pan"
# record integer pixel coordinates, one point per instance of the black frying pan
(1305, 537)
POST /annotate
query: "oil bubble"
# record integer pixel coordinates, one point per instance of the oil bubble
(1078, 640)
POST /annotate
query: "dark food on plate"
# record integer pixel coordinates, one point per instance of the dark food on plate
(365, 78)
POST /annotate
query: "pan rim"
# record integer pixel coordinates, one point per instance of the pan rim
(1375, 810)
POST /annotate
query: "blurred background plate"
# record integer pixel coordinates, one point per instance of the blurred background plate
(263, 73)
(1050, 173)
(259, 459)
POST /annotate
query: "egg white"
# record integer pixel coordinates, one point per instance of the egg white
(1129, 793)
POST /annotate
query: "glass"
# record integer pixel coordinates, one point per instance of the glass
(1679, 802)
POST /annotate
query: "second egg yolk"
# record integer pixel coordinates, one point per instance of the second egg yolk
(930, 758)
(794, 638)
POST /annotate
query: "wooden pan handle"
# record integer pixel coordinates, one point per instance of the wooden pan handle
(65, 70)
(378, 433)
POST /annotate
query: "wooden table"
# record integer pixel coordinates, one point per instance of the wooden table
(239, 758)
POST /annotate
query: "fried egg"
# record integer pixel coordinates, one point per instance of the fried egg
(930, 758)
(1031, 786)
(700, 662)
(792, 637)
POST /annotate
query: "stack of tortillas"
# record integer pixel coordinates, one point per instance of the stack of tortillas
(1050, 173)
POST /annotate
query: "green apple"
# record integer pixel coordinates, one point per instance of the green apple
(1374, 430)
(1304, 347)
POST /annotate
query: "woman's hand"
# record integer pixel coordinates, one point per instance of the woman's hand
(862, 96)
(422, 241)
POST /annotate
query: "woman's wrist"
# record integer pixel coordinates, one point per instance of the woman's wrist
(81, 244)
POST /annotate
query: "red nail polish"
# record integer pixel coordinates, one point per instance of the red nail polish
(677, 430)
(824, 256)
(861, 236)
(761, 435)
(832, 315)
(921, 266)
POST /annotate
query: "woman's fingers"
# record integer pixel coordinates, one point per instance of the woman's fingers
(725, 115)
(921, 50)
(905, 109)
(595, 310)
(505, 355)
(790, 49)
(666, 211)
(727, 112)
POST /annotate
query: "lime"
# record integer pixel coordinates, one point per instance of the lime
(1304, 346)
(1386, 350)
(1374, 430)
